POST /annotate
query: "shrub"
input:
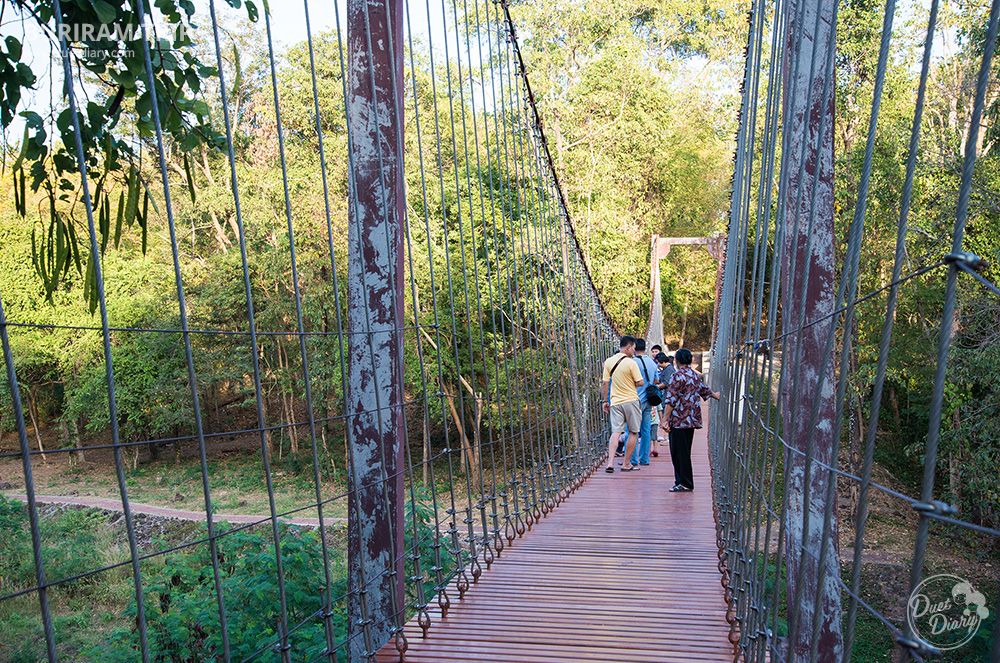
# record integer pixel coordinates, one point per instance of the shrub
(182, 616)
(72, 542)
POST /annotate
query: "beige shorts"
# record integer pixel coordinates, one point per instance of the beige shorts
(626, 416)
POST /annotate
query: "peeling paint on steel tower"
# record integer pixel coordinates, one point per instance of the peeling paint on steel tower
(375, 321)
(808, 292)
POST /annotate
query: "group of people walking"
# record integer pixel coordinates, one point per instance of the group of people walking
(632, 386)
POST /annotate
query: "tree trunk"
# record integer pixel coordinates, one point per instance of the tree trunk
(77, 441)
(463, 438)
(684, 325)
(894, 403)
(293, 431)
(231, 220)
(267, 433)
(856, 436)
(64, 434)
(954, 464)
(213, 392)
(855, 452)
(283, 410)
(425, 465)
(329, 396)
(33, 415)
(575, 409)
(220, 233)
(474, 456)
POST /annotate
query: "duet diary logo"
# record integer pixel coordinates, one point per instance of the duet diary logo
(945, 611)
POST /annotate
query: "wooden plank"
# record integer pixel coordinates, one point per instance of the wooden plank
(622, 570)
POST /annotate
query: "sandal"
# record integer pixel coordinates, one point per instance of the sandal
(630, 469)
(609, 470)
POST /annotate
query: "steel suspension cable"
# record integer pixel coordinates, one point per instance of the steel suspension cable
(746, 470)
(520, 435)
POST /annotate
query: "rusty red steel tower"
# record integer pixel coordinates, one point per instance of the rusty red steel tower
(376, 430)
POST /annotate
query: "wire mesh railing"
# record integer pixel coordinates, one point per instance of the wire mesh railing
(248, 323)
(794, 447)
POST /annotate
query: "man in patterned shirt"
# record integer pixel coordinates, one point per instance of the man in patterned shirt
(683, 415)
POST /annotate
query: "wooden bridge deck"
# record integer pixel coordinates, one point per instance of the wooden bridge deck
(621, 571)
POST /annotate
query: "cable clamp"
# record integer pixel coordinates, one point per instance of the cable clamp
(919, 646)
(936, 507)
(967, 258)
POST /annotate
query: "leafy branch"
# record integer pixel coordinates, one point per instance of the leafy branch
(103, 40)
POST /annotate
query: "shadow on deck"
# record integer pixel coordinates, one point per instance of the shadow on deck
(622, 570)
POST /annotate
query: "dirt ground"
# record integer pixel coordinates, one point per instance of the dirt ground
(175, 480)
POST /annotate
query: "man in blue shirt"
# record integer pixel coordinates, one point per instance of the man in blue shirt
(649, 371)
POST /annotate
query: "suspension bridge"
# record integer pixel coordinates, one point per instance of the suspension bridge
(577, 587)
(436, 318)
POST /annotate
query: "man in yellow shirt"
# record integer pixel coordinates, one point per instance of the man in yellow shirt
(621, 378)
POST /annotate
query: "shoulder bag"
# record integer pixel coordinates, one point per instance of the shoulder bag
(652, 393)
(612, 375)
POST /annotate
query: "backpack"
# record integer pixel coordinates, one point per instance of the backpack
(652, 393)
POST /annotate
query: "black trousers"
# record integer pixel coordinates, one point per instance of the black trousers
(680, 456)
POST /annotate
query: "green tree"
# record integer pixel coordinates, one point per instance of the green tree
(104, 45)
(641, 142)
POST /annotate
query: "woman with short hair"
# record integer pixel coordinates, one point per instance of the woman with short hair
(683, 416)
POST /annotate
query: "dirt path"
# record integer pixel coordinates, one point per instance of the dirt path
(116, 505)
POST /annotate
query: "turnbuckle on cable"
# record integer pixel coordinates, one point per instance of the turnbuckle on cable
(918, 647)
(966, 258)
(937, 507)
